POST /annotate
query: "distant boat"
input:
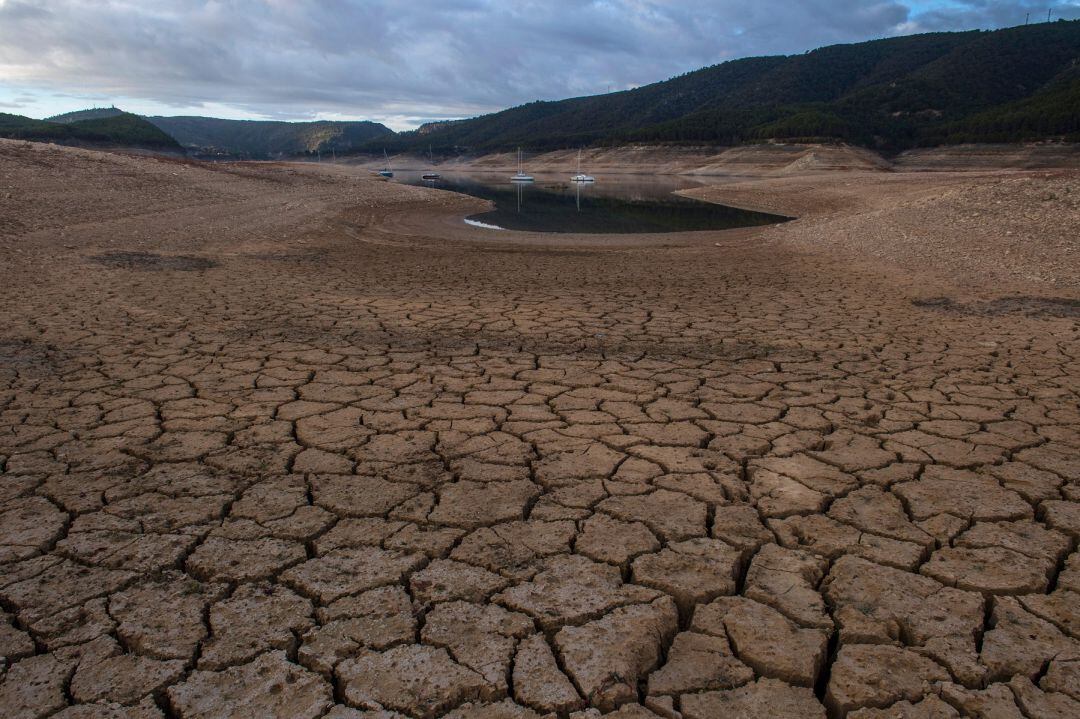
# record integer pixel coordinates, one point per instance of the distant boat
(430, 175)
(581, 176)
(386, 171)
(521, 176)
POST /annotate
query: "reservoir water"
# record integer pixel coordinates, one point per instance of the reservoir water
(613, 204)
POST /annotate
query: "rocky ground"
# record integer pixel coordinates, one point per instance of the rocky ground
(288, 441)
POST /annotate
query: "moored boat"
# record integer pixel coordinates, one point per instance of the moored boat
(581, 176)
(431, 174)
(521, 176)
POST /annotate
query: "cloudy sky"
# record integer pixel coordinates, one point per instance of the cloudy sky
(402, 62)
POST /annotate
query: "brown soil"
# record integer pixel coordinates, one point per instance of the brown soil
(290, 441)
(987, 231)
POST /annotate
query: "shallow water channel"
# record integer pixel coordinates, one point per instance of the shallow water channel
(614, 204)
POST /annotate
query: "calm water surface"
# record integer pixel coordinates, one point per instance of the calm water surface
(620, 204)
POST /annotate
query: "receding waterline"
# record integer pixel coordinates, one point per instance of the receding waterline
(477, 223)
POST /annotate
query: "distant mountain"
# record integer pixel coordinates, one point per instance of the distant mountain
(250, 139)
(94, 113)
(261, 139)
(1008, 85)
(121, 129)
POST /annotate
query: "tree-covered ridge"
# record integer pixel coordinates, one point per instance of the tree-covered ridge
(260, 139)
(93, 113)
(120, 129)
(1001, 86)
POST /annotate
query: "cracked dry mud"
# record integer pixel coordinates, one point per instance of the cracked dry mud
(312, 462)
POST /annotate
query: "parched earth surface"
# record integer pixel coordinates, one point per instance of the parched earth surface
(288, 441)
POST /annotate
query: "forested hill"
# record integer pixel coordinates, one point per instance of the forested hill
(94, 113)
(1008, 85)
(261, 139)
(113, 129)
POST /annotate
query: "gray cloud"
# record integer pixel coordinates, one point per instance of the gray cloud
(992, 13)
(402, 60)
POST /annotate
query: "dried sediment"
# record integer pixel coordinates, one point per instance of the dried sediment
(347, 468)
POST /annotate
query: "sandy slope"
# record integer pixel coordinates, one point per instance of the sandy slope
(981, 230)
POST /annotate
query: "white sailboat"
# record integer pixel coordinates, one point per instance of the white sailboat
(431, 175)
(386, 171)
(521, 176)
(581, 176)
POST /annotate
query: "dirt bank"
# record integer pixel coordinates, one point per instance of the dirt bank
(1036, 156)
(756, 160)
(980, 230)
